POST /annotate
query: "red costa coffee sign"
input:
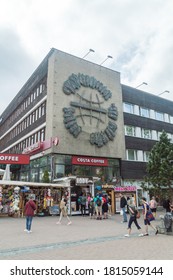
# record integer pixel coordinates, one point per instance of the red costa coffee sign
(14, 159)
(79, 160)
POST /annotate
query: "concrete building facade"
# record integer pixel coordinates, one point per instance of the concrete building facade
(74, 117)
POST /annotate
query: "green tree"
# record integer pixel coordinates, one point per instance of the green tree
(159, 166)
(45, 178)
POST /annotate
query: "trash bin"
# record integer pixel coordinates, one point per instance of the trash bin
(168, 223)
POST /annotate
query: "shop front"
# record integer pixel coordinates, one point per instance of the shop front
(78, 185)
(130, 192)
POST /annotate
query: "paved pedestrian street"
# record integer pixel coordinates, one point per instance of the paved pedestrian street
(84, 239)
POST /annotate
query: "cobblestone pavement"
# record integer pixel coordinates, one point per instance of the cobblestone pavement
(84, 239)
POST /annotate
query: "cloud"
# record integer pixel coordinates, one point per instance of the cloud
(16, 66)
(136, 33)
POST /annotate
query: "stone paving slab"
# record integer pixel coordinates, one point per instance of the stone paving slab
(85, 239)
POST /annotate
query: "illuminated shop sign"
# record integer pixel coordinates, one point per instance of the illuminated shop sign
(82, 180)
(14, 159)
(79, 160)
(32, 148)
(125, 189)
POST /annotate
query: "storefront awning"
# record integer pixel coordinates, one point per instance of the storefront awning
(33, 184)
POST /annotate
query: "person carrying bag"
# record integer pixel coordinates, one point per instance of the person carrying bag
(148, 217)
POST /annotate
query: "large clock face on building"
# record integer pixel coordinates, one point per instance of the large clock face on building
(89, 112)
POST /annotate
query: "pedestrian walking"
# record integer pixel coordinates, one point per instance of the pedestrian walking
(148, 217)
(30, 208)
(91, 208)
(105, 207)
(83, 200)
(153, 206)
(63, 213)
(133, 219)
(123, 203)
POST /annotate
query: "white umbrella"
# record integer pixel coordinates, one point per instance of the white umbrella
(6, 175)
(2, 172)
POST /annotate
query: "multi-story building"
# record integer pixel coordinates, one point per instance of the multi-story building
(74, 117)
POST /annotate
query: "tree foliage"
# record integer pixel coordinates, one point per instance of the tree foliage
(45, 178)
(159, 166)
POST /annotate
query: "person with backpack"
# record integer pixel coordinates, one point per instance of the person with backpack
(123, 204)
(98, 207)
(133, 218)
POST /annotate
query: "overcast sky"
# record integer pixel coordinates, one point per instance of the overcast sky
(138, 34)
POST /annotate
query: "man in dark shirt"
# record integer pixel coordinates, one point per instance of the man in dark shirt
(123, 203)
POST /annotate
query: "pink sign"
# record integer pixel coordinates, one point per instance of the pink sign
(125, 189)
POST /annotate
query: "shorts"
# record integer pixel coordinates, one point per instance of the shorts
(146, 222)
(153, 210)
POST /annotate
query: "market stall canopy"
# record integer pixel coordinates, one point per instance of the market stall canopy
(33, 184)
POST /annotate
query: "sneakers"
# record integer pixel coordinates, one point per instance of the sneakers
(146, 234)
(126, 235)
(69, 223)
(122, 222)
(29, 231)
(156, 232)
(141, 234)
(25, 229)
(58, 223)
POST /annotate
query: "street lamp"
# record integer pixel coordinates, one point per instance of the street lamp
(144, 83)
(90, 50)
(164, 92)
(109, 56)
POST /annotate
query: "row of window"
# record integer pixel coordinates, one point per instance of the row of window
(147, 113)
(30, 98)
(29, 120)
(39, 136)
(137, 155)
(144, 133)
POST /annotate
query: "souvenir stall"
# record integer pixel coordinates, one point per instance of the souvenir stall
(130, 192)
(109, 190)
(15, 195)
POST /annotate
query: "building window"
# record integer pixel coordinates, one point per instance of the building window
(131, 155)
(158, 135)
(43, 109)
(146, 133)
(130, 130)
(146, 156)
(128, 108)
(159, 116)
(171, 119)
(144, 112)
(42, 135)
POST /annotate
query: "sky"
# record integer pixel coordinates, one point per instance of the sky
(137, 34)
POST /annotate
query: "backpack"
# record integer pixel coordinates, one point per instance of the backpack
(98, 202)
